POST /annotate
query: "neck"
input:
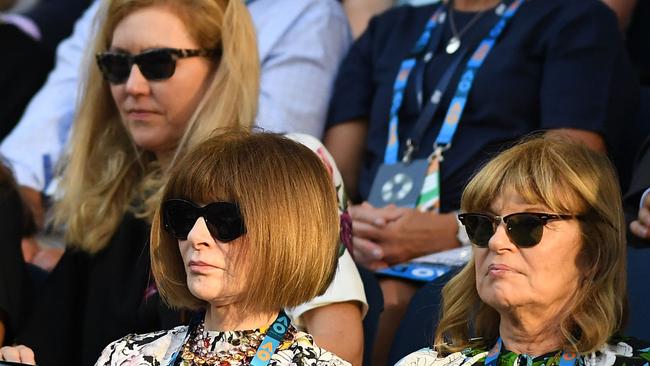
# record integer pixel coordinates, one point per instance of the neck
(474, 5)
(230, 317)
(533, 334)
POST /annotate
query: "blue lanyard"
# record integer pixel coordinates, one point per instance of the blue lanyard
(458, 102)
(566, 359)
(271, 341)
(457, 105)
(392, 147)
(267, 347)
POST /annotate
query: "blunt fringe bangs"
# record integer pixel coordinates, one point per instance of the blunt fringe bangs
(567, 178)
(289, 205)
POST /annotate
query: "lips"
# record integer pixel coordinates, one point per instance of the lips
(200, 266)
(499, 269)
(140, 113)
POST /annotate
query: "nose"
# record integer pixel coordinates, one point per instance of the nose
(200, 235)
(137, 84)
(500, 240)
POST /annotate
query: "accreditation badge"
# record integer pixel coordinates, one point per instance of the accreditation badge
(399, 184)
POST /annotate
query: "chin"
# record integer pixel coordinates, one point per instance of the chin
(499, 297)
(203, 293)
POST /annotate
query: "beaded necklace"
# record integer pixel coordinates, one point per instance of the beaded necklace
(196, 350)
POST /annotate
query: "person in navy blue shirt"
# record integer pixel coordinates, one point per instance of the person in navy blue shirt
(558, 67)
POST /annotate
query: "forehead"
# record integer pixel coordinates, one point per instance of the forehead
(533, 198)
(509, 201)
(151, 27)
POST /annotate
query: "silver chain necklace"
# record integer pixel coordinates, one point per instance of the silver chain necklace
(454, 42)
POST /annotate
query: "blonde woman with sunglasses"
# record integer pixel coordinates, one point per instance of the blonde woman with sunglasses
(546, 283)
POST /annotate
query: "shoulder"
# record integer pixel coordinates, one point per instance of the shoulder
(402, 19)
(285, 24)
(303, 351)
(406, 12)
(143, 349)
(558, 13)
(621, 351)
(429, 357)
(390, 36)
(568, 8)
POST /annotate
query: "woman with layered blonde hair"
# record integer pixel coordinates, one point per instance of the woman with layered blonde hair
(546, 283)
(103, 178)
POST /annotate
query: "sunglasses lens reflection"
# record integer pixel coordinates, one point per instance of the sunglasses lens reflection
(525, 230)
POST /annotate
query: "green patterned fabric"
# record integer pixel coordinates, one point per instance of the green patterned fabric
(620, 351)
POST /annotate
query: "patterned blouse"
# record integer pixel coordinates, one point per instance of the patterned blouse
(619, 352)
(160, 348)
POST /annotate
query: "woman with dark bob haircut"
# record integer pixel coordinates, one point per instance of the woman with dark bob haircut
(546, 282)
(248, 226)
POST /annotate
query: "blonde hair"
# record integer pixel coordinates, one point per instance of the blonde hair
(106, 173)
(290, 211)
(567, 178)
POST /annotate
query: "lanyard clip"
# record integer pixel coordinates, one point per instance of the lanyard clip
(438, 150)
(410, 149)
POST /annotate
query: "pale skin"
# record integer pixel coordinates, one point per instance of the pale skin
(530, 288)
(214, 278)
(20, 354)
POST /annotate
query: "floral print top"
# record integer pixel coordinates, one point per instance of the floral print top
(160, 348)
(618, 352)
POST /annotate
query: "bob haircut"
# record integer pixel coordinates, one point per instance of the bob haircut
(568, 178)
(290, 250)
(106, 172)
